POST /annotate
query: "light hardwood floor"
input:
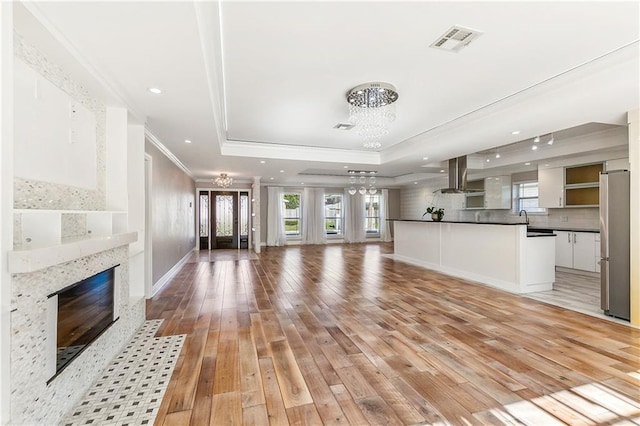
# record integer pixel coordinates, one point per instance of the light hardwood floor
(338, 334)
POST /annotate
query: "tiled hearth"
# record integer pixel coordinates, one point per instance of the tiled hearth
(131, 388)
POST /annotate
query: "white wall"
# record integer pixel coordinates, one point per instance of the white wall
(61, 148)
(116, 159)
(136, 208)
(6, 201)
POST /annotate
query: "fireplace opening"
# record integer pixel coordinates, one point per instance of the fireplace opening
(84, 311)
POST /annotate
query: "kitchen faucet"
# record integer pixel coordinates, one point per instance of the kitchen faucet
(525, 215)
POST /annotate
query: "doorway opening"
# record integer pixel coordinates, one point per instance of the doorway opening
(223, 220)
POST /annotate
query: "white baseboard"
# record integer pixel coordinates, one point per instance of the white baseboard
(169, 275)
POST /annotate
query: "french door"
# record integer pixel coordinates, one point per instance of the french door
(224, 220)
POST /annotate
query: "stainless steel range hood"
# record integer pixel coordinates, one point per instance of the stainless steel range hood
(457, 176)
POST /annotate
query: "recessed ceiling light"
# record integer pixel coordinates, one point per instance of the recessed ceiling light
(442, 171)
(515, 132)
(536, 139)
(271, 178)
(488, 160)
(534, 147)
(155, 90)
(415, 183)
(425, 158)
(546, 165)
(187, 141)
(527, 164)
(281, 171)
(262, 161)
(345, 167)
(301, 183)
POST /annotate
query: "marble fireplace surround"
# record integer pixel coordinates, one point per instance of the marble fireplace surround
(33, 401)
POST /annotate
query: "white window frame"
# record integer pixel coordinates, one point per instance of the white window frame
(367, 217)
(340, 232)
(517, 198)
(299, 218)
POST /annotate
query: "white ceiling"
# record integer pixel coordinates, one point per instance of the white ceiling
(251, 81)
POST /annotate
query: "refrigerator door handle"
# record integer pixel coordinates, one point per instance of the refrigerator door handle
(604, 215)
(604, 281)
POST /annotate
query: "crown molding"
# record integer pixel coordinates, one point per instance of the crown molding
(167, 153)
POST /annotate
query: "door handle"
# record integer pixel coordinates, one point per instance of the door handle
(569, 237)
(574, 238)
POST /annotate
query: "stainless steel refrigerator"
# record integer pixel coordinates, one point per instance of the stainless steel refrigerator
(614, 243)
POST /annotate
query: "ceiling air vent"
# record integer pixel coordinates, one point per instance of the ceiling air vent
(456, 38)
(344, 126)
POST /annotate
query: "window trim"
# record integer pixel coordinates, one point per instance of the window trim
(297, 236)
(517, 198)
(371, 234)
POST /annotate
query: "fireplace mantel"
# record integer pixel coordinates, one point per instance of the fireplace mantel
(30, 260)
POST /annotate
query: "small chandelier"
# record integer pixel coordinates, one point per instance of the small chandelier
(223, 180)
(371, 110)
(359, 178)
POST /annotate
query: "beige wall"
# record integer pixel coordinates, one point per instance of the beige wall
(173, 213)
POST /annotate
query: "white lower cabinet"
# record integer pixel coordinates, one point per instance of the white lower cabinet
(576, 250)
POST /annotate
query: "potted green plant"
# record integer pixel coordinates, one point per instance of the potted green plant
(437, 213)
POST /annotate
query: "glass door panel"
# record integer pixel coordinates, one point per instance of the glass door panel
(224, 220)
(204, 220)
(244, 220)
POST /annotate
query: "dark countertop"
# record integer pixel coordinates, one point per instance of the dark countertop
(461, 221)
(536, 228)
(540, 234)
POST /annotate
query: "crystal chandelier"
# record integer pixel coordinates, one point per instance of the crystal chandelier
(371, 110)
(223, 180)
(359, 178)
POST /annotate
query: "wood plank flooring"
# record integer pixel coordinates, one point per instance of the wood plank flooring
(338, 334)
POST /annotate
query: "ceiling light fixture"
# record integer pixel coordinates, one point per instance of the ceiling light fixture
(515, 132)
(536, 139)
(187, 141)
(497, 155)
(371, 110)
(534, 147)
(223, 180)
(155, 90)
(527, 164)
(262, 161)
(550, 140)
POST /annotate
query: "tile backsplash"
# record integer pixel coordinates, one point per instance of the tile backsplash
(583, 218)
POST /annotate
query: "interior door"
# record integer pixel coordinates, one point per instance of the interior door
(224, 220)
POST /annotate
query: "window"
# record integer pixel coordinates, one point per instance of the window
(333, 214)
(525, 195)
(372, 213)
(291, 214)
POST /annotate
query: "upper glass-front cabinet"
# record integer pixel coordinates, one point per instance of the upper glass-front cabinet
(582, 185)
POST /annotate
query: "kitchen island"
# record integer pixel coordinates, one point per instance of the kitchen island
(500, 255)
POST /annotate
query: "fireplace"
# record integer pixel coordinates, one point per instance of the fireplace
(83, 311)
